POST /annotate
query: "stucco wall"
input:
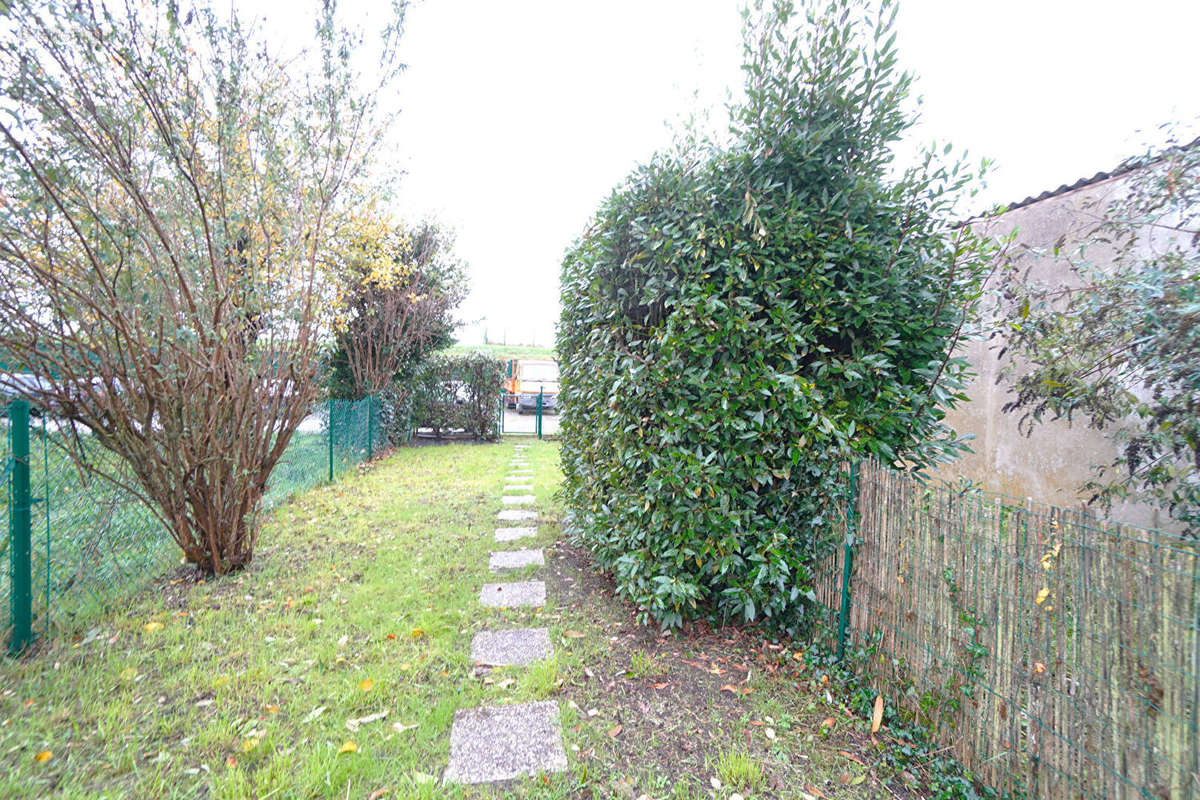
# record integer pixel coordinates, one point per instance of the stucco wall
(1056, 459)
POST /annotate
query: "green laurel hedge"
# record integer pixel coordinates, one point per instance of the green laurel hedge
(740, 320)
(459, 393)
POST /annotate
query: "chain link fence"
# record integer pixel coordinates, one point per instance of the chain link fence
(91, 545)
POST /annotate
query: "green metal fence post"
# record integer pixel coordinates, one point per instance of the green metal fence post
(539, 412)
(848, 559)
(370, 444)
(329, 433)
(20, 524)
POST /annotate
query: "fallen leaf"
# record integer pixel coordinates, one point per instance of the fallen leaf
(814, 791)
(1038, 667)
(366, 685)
(614, 732)
(662, 685)
(877, 717)
(729, 687)
(249, 744)
(272, 709)
(347, 747)
(851, 756)
(229, 762)
(378, 793)
(316, 712)
(769, 733)
(43, 757)
(417, 633)
(400, 727)
(573, 634)
(151, 627)
(828, 722)
(129, 673)
(592, 712)
(1042, 594)
(390, 636)
(352, 724)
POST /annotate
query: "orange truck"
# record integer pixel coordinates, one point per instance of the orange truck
(527, 377)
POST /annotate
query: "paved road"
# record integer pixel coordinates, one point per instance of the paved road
(527, 423)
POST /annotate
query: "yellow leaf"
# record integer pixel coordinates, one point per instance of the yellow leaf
(1042, 594)
(221, 681)
(43, 757)
(151, 627)
(249, 744)
(367, 685)
(417, 633)
(877, 717)
(1038, 667)
(348, 747)
(129, 673)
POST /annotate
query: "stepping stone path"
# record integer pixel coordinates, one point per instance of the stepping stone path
(516, 559)
(518, 593)
(512, 534)
(510, 648)
(500, 743)
(505, 742)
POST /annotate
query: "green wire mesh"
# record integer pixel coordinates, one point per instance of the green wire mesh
(1057, 654)
(95, 545)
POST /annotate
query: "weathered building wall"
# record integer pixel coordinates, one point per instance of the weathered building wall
(1052, 463)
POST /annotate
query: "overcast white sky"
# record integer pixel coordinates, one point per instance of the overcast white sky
(519, 116)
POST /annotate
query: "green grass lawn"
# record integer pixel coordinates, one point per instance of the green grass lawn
(505, 351)
(362, 601)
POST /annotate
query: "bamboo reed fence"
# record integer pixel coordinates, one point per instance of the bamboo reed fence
(1057, 653)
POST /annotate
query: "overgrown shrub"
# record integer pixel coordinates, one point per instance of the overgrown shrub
(739, 320)
(459, 393)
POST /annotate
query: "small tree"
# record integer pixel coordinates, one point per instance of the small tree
(398, 291)
(166, 187)
(1121, 347)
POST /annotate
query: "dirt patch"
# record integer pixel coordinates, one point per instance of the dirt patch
(654, 710)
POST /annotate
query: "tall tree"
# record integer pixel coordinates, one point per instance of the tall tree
(167, 185)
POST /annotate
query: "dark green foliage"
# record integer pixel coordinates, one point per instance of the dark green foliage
(459, 393)
(1120, 346)
(740, 320)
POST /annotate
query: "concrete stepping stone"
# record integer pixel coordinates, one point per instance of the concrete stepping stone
(519, 487)
(516, 515)
(517, 648)
(511, 595)
(516, 559)
(499, 743)
(512, 534)
(518, 499)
